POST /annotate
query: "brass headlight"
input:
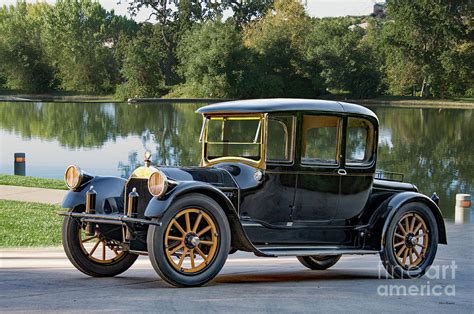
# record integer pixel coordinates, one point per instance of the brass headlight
(73, 177)
(157, 183)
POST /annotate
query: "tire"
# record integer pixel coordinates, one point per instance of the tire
(115, 263)
(167, 243)
(319, 262)
(411, 241)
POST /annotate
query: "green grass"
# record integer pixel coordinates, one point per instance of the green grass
(6, 179)
(24, 224)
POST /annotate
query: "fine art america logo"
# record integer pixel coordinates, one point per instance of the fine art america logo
(437, 281)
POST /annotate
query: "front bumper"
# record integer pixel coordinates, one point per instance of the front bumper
(109, 219)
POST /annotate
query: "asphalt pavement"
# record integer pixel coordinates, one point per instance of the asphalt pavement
(44, 280)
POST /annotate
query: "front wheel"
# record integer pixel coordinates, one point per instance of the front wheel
(191, 246)
(319, 262)
(411, 242)
(96, 255)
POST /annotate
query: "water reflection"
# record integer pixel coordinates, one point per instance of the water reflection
(432, 147)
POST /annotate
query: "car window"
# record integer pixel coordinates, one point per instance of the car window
(320, 139)
(280, 138)
(359, 141)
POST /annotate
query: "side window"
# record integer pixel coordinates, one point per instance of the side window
(320, 139)
(359, 141)
(280, 138)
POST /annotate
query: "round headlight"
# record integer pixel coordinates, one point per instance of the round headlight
(157, 184)
(73, 177)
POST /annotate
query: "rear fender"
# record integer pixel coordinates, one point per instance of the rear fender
(157, 207)
(387, 210)
(105, 187)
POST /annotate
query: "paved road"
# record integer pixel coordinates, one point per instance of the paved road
(43, 280)
(28, 194)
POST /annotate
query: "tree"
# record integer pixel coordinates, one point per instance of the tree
(278, 41)
(345, 55)
(24, 65)
(212, 61)
(422, 31)
(143, 64)
(79, 40)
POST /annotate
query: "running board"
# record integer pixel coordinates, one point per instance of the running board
(310, 250)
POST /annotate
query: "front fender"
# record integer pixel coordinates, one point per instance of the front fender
(157, 207)
(105, 187)
(400, 199)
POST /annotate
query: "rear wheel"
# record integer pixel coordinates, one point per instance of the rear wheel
(411, 242)
(191, 246)
(319, 262)
(95, 255)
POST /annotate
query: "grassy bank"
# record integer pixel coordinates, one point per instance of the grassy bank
(25, 224)
(6, 179)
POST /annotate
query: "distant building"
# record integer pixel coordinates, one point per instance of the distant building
(379, 10)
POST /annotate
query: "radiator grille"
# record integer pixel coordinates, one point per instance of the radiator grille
(144, 195)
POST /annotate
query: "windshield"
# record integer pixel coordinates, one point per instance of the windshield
(233, 137)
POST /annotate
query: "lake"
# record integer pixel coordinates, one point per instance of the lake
(432, 147)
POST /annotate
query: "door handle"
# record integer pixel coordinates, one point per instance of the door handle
(341, 172)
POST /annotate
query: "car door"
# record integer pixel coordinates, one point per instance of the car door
(266, 209)
(318, 180)
(359, 165)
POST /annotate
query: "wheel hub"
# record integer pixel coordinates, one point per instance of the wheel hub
(411, 240)
(191, 240)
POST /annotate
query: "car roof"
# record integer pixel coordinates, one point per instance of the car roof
(284, 104)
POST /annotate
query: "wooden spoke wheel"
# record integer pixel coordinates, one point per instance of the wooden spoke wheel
(193, 243)
(410, 242)
(98, 255)
(191, 240)
(99, 249)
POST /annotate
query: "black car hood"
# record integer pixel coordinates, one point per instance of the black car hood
(214, 176)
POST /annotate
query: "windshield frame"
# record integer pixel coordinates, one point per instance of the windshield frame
(260, 163)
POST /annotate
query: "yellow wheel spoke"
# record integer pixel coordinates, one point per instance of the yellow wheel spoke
(407, 225)
(413, 220)
(401, 251)
(175, 238)
(423, 246)
(181, 259)
(88, 239)
(201, 253)
(418, 228)
(95, 247)
(206, 242)
(103, 250)
(416, 253)
(411, 256)
(196, 223)
(203, 231)
(178, 226)
(188, 222)
(176, 249)
(396, 244)
(191, 256)
(405, 256)
(399, 236)
(401, 227)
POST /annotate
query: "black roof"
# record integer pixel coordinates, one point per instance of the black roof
(284, 104)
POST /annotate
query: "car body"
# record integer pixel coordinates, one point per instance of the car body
(278, 177)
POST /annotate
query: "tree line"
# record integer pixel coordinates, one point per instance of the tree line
(262, 48)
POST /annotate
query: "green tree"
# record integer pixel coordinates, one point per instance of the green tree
(278, 41)
(24, 65)
(345, 55)
(79, 39)
(212, 61)
(421, 32)
(143, 66)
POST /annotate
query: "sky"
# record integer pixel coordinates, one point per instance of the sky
(316, 8)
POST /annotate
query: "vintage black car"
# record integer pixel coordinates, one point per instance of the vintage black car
(278, 177)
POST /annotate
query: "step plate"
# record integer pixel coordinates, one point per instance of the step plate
(309, 250)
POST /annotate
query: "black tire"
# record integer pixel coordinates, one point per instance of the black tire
(162, 260)
(319, 262)
(75, 253)
(396, 266)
